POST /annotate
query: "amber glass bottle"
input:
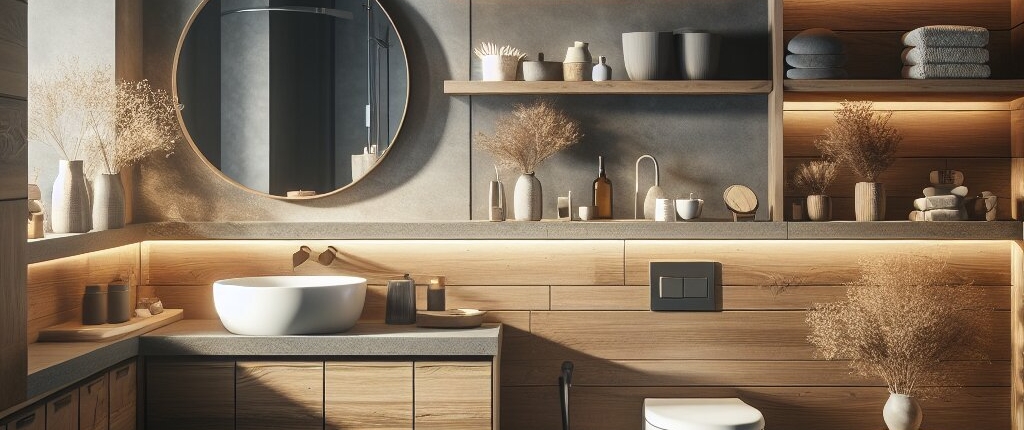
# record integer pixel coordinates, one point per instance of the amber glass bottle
(602, 192)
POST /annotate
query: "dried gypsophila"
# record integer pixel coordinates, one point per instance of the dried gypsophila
(861, 139)
(815, 177)
(903, 320)
(133, 121)
(529, 135)
(56, 108)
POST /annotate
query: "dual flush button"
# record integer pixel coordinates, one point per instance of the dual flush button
(685, 286)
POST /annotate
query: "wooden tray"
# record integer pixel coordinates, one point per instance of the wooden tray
(451, 318)
(76, 332)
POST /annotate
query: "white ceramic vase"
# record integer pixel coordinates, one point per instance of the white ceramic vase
(869, 201)
(698, 55)
(819, 208)
(902, 412)
(108, 202)
(648, 55)
(70, 210)
(528, 198)
(499, 67)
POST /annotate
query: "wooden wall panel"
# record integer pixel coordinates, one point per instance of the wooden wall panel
(849, 408)
(928, 134)
(197, 395)
(463, 262)
(368, 395)
(279, 395)
(815, 262)
(505, 297)
(1017, 335)
(13, 49)
(13, 144)
(13, 303)
(894, 14)
(55, 287)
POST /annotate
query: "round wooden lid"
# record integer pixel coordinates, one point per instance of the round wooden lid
(740, 199)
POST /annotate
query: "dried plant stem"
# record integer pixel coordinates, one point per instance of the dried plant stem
(529, 135)
(815, 177)
(861, 139)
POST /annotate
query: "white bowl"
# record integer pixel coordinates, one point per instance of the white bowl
(289, 305)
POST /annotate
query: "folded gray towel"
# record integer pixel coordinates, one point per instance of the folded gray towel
(947, 71)
(816, 61)
(960, 191)
(962, 36)
(938, 215)
(816, 73)
(937, 202)
(816, 41)
(918, 55)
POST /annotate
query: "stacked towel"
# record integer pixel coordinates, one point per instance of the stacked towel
(816, 53)
(946, 52)
(944, 200)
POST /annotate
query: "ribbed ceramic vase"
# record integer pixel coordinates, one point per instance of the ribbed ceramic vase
(108, 202)
(648, 55)
(70, 210)
(869, 201)
(819, 208)
(528, 199)
(902, 412)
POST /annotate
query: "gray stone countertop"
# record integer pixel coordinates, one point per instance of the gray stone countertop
(208, 337)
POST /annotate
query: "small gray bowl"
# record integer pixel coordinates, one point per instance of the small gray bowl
(541, 70)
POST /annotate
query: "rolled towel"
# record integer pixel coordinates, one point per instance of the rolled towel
(960, 191)
(816, 73)
(963, 36)
(816, 61)
(937, 215)
(937, 202)
(816, 41)
(947, 71)
(918, 55)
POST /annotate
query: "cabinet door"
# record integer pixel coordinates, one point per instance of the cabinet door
(452, 395)
(368, 395)
(62, 412)
(279, 395)
(190, 395)
(32, 419)
(94, 404)
(122, 397)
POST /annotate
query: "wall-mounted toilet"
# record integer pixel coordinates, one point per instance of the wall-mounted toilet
(701, 414)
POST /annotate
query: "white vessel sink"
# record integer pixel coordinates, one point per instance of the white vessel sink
(288, 305)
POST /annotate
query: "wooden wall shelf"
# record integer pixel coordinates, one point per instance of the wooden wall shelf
(470, 88)
(915, 89)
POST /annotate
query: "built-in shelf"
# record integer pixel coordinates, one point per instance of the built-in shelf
(607, 87)
(959, 89)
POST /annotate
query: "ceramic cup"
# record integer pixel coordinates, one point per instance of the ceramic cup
(697, 53)
(648, 55)
(587, 213)
(689, 208)
(664, 210)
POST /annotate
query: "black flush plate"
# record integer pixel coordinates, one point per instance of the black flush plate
(686, 286)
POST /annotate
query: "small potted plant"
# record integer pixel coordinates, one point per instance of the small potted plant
(902, 321)
(862, 140)
(813, 179)
(524, 139)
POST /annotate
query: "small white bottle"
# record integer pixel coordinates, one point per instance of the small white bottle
(602, 72)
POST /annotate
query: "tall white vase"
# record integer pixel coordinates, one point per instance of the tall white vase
(70, 210)
(528, 198)
(869, 201)
(108, 202)
(902, 412)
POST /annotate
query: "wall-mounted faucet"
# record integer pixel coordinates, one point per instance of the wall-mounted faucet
(301, 256)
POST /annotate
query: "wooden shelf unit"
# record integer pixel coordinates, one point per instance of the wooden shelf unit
(607, 87)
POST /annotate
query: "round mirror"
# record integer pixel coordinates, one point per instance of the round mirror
(293, 98)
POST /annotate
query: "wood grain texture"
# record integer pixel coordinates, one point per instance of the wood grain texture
(488, 298)
(34, 418)
(452, 395)
(13, 145)
(1016, 48)
(13, 303)
(815, 262)
(368, 395)
(996, 89)
(62, 412)
(123, 382)
(842, 408)
(463, 262)
(279, 394)
(55, 287)
(606, 87)
(894, 14)
(13, 49)
(1016, 200)
(1017, 334)
(926, 134)
(777, 335)
(193, 395)
(94, 404)
(776, 104)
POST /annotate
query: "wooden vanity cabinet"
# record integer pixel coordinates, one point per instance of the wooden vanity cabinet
(453, 395)
(62, 412)
(279, 395)
(195, 395)
(123, 380)
(363, 395)
(29, 419)
(94, 404)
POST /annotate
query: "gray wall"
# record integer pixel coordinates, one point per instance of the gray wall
(703, 143)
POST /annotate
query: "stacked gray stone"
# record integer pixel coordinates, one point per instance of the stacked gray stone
(816, 53)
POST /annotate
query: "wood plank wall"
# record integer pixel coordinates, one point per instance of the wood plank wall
(587, 301)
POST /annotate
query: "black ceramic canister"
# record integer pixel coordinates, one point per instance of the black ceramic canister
(94, 305)
(119, 306)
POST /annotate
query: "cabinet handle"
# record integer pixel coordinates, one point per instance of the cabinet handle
(26, 420)
(93, 384)
(122, 372)
(62, 402)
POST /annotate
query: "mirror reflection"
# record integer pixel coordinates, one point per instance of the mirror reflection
(292, 95)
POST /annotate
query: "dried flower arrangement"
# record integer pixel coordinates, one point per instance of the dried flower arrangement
(56, 112)
(902, 320)
(861, 139)
(488, 48)
(815, 177)
(134, 121)
(529, 135)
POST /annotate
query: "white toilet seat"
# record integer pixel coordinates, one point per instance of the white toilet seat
(701, 414)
